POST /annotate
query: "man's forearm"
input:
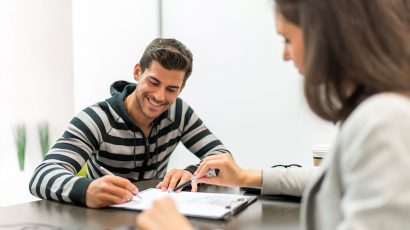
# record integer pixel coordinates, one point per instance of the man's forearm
(54, 182)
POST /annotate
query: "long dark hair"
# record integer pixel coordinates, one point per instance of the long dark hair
(353, 49)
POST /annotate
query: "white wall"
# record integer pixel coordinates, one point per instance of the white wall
(36, 83)
(109, 37)
(240, 86)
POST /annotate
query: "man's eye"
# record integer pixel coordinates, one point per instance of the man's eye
(172, 90)
(154, 83)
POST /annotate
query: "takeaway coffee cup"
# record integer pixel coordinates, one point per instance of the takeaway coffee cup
(319, 152)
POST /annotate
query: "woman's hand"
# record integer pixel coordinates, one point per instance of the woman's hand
(230, 174)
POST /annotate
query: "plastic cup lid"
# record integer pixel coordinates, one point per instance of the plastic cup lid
(320, 150)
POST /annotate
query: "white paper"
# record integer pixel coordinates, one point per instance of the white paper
(198, 204)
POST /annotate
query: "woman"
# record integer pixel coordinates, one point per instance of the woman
(355, 56)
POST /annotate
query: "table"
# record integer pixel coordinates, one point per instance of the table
(268, 212)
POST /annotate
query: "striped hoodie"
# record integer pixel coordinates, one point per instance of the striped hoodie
(104, 135)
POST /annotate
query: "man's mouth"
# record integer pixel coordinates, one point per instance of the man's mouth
(154, 102)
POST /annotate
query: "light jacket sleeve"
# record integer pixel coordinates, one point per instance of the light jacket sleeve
(286, 181)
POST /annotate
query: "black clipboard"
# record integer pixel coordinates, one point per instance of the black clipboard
(257, 191)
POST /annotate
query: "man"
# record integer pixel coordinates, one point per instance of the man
(132, 134)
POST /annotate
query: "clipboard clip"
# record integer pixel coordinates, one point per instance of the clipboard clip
(236, 204)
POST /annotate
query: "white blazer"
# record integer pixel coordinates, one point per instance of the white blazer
(365, 181)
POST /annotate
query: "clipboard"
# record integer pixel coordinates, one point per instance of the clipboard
(193, 204)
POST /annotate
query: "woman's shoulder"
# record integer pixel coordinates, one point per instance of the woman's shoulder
(382, 107)
(379, 125)
(379, 115)
(386, 99)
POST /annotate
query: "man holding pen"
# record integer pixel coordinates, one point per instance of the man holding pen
(131, 134)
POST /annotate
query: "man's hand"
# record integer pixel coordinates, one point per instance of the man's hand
(175, 177)
(109, 190)
(162, 215)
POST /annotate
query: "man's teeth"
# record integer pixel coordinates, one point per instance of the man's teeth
(153, 102)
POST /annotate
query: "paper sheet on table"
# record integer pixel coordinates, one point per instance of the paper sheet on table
(196, 204)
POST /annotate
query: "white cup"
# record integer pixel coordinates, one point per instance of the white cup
(319, 152)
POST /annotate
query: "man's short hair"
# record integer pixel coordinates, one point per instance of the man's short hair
(170, 53)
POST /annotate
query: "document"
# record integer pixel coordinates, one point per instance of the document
(195, 204)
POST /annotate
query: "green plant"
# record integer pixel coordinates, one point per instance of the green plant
(43, 136)
(20, 139)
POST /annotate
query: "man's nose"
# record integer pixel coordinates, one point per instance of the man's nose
(160, 94)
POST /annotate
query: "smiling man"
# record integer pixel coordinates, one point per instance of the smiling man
(131, 134)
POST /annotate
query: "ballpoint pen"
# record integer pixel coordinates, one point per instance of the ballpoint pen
(210, 173)
(106, 172)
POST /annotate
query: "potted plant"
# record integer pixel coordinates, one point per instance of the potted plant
(20, 139)
(43, 136)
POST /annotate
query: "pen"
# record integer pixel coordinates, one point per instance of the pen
(106, 172)
(210, 173)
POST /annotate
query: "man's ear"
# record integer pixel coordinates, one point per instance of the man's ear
(137, 71)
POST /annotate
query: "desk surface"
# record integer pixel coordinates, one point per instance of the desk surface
(265, 213)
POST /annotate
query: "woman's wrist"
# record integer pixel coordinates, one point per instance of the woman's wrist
(251, 178)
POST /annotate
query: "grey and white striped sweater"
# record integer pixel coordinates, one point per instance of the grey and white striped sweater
(104, 135)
